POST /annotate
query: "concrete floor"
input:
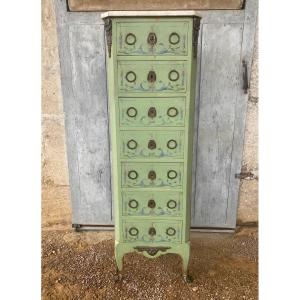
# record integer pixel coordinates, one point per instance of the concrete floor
(81, 266)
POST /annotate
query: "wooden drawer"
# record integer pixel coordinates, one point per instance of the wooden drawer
(152, 76)
(151, 144)
(139, 112)
(152, 175)
(154, 204)
(153, 38)
(152, 231)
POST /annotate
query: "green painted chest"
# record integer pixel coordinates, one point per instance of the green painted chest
(151, 64)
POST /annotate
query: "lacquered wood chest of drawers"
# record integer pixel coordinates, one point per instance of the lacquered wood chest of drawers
(151, 64)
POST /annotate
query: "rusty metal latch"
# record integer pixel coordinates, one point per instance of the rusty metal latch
(245, 77)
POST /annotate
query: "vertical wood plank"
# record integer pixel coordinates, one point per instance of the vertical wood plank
(240, 111)
(68, 96)
(220, 66)
(82, 59)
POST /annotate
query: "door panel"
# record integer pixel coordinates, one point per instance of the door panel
(219, 86)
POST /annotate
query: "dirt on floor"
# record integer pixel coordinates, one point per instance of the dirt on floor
(80, 265)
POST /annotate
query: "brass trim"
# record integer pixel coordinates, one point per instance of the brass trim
(152, 251)
(127, 36)
(133, 172)
(174, 34)
(127, 74)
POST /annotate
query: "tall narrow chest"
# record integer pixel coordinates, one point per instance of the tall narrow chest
(151, 65)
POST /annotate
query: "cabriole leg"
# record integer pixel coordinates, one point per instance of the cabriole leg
(185, 263)
(119, 262)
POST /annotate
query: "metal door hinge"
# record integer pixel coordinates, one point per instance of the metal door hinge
(245, 77)
(245, 175)
(108, 34)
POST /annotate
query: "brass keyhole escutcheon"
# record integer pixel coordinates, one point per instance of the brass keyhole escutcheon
(152, 39)
(152, 112)
(152, 231)
(151, 76)
(151, 145)
(170, 231)
(171, 204)
(172, 112)
(133, 203)
(130, 76)
(152, 175)
(133, 174)
(151, 203)
(132, 144)
(130, 39)
(172, 174)
(172, 144)
(133, 231)
(131, 112)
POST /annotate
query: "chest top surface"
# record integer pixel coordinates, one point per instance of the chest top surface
(149, 13)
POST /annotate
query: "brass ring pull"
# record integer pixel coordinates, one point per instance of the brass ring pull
(172, 112)
(170, 231)
(174, 38)
(151, 76)
(133, 203)
(152, 231)
(130, 76)
(173, 75)
(151, 203)
(151, 145)
(152, 175)
(171, 204)
(132, 144)
(131, 112)
(152, 39)
(130, 39)
(133, 231)
(172, 144)
(152, 112)
(133, 174)
(172, 174)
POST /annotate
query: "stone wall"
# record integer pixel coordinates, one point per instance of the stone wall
(56, 204)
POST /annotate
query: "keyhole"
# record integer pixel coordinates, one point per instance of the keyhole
(151, 76)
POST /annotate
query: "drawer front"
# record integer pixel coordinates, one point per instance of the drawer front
(156, 204)
(152, 38)
(152, 175)
(151, 144)
(148, 231)
(152, 76)
(152, 112)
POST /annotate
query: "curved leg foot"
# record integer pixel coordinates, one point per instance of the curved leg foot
(187, 278)
(185, 262)
(118, 276)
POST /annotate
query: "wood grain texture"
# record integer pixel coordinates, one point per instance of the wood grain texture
(226, 37)
(82, 56)
(220, 65)
(240, 111)
(100, 5)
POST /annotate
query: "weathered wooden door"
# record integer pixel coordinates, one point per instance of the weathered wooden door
(226, 39)
(225, 44)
